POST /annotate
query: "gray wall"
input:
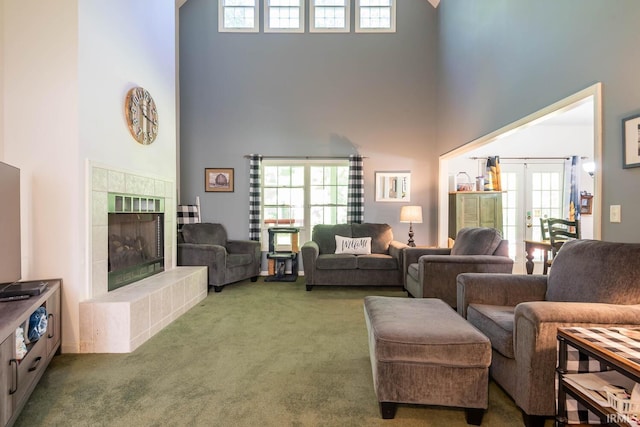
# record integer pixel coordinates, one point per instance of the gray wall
(501, 60)
(308, 95)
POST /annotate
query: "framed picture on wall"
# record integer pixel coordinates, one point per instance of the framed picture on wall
(631, 138)
(218, 180)
(393, 186)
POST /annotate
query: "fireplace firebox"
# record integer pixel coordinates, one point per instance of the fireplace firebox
(136, 238)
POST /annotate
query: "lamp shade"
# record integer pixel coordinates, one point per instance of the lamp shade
(411, 214)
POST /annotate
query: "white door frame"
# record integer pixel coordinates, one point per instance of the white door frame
(594, 91)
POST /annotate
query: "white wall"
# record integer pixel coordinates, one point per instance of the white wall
(68, 66)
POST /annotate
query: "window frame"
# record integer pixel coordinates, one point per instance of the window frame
(306, 228)
(312, 19)
(256, 20)
(267, 16)
(391, 29)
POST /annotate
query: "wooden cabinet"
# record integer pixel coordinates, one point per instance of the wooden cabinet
(474, 209)
(18, 378)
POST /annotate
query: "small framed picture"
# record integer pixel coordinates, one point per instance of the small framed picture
(631, 138)
(586, 201)
(393, 186)
(218, 179)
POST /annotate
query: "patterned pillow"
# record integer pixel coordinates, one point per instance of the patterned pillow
(355, 245)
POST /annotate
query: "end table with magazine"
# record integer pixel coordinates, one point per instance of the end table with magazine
(598, 376)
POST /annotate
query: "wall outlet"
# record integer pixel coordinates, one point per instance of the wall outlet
(614, 213)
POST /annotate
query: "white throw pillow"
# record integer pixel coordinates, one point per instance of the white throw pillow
(355, 245)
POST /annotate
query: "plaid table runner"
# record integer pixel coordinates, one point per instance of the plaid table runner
(607, 338)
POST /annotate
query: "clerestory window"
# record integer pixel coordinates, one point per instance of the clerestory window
(375, 16)
(238, 16)
(329, 16)
(284, 16)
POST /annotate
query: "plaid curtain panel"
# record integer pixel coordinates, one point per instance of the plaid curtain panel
(355, 197)
(254, 196)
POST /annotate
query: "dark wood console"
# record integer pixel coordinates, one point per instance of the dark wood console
(18, 378)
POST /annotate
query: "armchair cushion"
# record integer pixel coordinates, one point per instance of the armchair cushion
(583, 272)
(476, 241)
(204, 234)
(496, 322)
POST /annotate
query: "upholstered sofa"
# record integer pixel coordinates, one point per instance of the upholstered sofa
(324, 267)
(227, 260)
(432, 272)
(591, 284)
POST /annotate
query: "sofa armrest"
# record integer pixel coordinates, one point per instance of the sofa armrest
(498, 289)
(568, 313)
(535, 340)
(214, 257)
(396, 250)
(411, 255)
(310, 251)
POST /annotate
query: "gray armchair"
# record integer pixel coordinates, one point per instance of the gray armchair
(592, 284)
(227, 261)
(432, 272)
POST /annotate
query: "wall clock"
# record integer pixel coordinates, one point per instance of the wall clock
(142, 115)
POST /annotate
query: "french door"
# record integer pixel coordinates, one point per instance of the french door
(532, 191)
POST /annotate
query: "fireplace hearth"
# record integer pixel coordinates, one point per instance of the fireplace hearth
(136, 239)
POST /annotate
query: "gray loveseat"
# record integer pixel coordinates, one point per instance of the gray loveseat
(323, 267)
(591, 284)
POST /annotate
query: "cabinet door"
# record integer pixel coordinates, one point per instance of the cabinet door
(469, 211)
(53, 322)
(7, 378)
(491, 211)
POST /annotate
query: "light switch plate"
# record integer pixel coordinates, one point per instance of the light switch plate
(614, 213)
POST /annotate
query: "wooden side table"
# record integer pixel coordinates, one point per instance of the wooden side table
(609, 347)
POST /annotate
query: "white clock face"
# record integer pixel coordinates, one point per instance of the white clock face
(142, 115)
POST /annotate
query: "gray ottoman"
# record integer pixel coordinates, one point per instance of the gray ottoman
(423, 352)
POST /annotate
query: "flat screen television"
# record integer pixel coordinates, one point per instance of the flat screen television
(10, 268)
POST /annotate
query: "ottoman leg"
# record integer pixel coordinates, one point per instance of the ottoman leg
(387, 410)
(474, 416)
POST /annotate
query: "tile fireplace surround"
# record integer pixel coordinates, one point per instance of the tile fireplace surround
(121, 320)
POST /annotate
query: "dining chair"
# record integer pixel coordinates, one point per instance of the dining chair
(561, 230)
(544, 229)
(544, 235)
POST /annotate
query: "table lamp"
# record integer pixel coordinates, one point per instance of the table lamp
(411, 214)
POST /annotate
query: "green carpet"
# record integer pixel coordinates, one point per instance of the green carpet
(256, 354)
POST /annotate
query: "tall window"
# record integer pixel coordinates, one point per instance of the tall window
(329, 16)
(304, 193)
(284, 16)
(375, 16)
(238, 15)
